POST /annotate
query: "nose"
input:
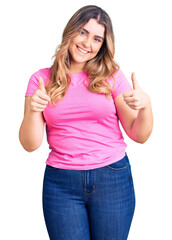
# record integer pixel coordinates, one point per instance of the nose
(87, 42)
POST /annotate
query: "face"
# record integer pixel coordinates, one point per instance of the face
(86, 44)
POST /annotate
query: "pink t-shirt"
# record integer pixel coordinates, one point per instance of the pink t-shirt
(83, 130)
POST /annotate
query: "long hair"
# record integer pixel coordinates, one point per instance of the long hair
(99, 68)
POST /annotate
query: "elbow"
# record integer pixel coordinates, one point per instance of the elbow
(27, 146)
(141, 139)
(29, 149)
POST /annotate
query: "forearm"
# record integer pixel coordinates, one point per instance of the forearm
(31, 130)
(142, 126)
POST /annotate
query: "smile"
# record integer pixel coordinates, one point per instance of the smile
(82, 51)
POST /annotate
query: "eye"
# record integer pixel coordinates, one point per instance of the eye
(82, 33)
(97, 39)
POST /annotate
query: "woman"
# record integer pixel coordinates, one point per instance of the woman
(88, 190)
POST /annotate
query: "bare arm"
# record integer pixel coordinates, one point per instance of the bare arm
(32, 128)
(31, 132)
(135, 113)
(136, 123)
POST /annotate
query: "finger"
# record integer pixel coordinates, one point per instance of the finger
(43, 95)
(38, 107)
(128, 93)
(134, 105)
(129, 100)
(41, 84)
(134, 81)
(135, 108)
(41, 101)
(38, 110)
(41, 106)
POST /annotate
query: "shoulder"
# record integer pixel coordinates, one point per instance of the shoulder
(119, 82)
(42, 72)
(117, 78)
(45, 73)
(118, 75)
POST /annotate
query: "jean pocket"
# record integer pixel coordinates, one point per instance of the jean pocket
(119, 165)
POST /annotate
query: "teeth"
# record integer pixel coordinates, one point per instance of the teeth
(82, 50)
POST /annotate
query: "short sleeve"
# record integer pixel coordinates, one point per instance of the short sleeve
(121, 83)
(33, 81)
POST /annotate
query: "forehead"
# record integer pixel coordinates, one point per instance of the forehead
(94, 28)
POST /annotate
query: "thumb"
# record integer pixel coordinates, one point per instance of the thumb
(134, 81)
(41, 84)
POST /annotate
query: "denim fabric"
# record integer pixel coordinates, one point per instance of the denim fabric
(96, 204)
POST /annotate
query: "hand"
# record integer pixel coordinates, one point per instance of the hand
(136, 98)
(39, 99)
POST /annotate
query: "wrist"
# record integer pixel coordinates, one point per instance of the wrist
(30, 112)
(147, 103)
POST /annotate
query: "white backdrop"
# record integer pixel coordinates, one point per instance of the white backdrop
(30, 32)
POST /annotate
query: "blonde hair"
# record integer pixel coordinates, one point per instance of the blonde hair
(99, 68)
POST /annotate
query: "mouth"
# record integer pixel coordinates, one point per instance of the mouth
(82, 51)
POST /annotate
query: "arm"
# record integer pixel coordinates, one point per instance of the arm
(135, 113)
(32, 128)
(142, 126)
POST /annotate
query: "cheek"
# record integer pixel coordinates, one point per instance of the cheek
(71, 47)
(96, 49)
(73, 43)
(76, 40)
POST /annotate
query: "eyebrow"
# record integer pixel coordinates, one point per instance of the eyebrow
(95, 35)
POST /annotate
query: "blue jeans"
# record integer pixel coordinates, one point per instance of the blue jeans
(96, 204)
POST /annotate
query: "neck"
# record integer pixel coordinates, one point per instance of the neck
(77, 67)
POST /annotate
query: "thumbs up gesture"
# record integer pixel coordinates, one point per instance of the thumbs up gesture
(136, 98)
(39, 99)
(41, 84)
